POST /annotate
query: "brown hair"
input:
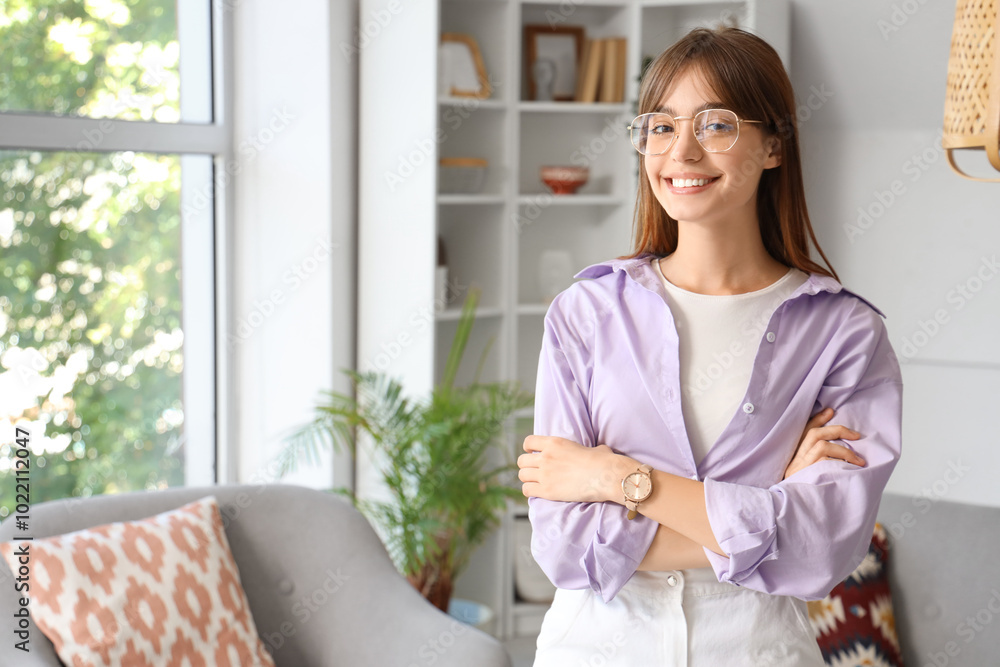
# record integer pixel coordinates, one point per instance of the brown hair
(748, 77)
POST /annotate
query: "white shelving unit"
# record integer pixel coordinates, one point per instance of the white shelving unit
(495, 239)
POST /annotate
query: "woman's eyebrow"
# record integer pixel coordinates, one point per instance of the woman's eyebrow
(703, 107)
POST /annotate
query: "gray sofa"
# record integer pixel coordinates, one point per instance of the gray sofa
(285, 539)
(944, 572)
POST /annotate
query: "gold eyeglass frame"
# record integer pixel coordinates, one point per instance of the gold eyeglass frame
(739, 121)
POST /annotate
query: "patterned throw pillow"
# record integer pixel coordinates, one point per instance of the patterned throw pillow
(159, 591)
(855, 624)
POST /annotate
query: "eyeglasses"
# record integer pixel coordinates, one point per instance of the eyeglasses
(715, 129)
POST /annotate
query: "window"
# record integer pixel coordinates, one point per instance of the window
(112, 131)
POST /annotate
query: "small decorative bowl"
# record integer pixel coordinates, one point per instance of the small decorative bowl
(564, 180)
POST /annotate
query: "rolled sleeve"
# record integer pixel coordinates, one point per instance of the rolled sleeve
(805, 534)
(578, 545)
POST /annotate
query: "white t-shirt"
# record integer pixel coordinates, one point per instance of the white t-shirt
(719, 336)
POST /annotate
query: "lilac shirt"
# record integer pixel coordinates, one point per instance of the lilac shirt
(608, 374)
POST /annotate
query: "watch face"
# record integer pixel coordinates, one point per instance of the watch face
(637, 486)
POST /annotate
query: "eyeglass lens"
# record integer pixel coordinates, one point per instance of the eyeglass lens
(715, 129)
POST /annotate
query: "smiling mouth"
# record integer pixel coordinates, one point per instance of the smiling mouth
(690, 182)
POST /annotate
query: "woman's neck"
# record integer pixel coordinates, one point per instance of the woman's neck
(721, 261)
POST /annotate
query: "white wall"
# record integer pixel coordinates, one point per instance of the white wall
(883, 72)
(294, 284)
(396, 200)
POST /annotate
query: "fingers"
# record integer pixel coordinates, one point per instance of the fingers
(833, 432)
(820, 418)
(824, 450)
(528, 474)
(532, 444)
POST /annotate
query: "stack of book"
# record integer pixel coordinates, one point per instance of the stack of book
(601, 75)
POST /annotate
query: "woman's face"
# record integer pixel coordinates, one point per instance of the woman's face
(730, 196)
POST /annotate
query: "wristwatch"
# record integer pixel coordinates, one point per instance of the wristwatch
(637, 486)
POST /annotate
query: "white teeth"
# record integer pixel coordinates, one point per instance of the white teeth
(689, 182)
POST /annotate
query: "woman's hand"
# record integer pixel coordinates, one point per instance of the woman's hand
(560, 469)
(816, 445)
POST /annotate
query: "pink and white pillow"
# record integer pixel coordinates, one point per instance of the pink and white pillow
(159, 591)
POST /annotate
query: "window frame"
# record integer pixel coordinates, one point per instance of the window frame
(207, 379)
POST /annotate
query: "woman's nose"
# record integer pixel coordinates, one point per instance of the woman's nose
(686, 147)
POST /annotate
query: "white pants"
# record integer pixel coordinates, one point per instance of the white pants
(678, 618)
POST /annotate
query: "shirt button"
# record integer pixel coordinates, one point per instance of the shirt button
(770, 336)
(748, 408)
(672, 580)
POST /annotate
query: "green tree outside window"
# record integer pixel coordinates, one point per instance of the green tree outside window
(90, 303)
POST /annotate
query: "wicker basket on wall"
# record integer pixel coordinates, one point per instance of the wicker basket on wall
(972, 107)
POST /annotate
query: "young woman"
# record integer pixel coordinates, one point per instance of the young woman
(688, 492)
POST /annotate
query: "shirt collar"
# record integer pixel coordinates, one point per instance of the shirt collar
(640, 270)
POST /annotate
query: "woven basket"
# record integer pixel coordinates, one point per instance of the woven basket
(972, 108)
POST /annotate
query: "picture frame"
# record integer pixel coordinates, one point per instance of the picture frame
(461, 68)
(563, 46)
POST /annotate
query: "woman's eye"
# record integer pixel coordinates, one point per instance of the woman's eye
(661, 129)
(718, 127)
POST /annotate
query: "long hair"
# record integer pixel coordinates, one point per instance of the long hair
(746, 75)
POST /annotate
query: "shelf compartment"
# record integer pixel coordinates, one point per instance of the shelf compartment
(466, 230)
(452, 314)
(665, 22)
(527, 106)
(598, 19)
(591, 235)
(470, 200)
(598, 142)
(475, 133)
(487, 23)
(546, 199)
(472, 103)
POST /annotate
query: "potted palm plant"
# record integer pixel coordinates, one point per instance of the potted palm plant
(441, 460)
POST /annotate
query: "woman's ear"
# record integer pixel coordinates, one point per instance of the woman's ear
(772, 148)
